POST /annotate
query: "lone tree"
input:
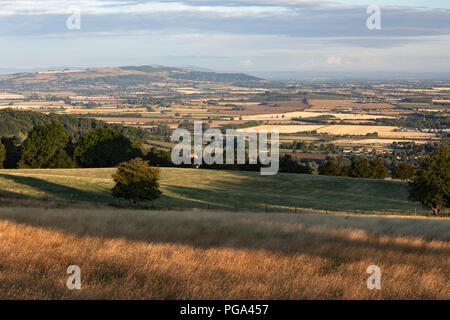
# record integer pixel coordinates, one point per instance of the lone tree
(104, 148)
(403, 171)
(47, 146)
(136, 180)
(431, 185)
(2, 154)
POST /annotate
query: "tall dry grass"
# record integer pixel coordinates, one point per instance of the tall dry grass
(198, 255)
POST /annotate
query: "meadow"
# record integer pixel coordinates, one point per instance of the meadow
(131, 254)
(217, 190)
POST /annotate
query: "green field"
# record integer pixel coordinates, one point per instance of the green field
(221, 190)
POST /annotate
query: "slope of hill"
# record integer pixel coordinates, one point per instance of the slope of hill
(120, 79)
(219, 190)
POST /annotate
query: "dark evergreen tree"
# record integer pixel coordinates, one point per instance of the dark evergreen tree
(46, 147)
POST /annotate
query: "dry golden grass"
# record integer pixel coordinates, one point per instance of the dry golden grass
(199, 255)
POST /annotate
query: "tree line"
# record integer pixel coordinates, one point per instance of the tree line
(361, 167)
(19, 123)
(49, 146)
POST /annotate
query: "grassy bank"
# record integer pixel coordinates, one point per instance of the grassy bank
(221, 190)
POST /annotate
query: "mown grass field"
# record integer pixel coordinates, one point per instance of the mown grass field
(218, 190)
(132, 254)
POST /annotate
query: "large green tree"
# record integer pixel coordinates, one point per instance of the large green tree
(46, 147)
(2, 154)
(136, 180)
(104, 148)
(431, 184)
(379, 170)
(361, 168)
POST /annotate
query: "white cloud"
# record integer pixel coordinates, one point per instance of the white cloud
(40, 7)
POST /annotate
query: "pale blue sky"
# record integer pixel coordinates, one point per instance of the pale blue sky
(239, 35)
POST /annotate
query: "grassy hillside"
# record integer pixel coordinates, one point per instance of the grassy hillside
(122, 78)
(223, 190)
(134, 254)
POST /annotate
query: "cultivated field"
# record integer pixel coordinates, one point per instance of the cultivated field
(191, 255)
(219, 190)
(307, 114)
(383, 131)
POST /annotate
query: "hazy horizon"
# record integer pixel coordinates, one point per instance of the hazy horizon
(300, 36)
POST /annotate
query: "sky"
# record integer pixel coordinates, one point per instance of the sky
(234, 36)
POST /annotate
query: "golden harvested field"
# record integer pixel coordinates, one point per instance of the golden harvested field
(327, 105)
(375, 141)
(284, 128)
(387, 132)
(194, 255)
(307, 114)
(383, 131)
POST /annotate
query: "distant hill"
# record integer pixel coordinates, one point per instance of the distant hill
(19, 123)
(127, 78)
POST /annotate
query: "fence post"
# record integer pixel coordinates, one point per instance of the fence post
(295, 209)
(265, 207)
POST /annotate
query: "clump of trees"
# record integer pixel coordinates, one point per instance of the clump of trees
(431, 184)
(49, 146)
(290, 165)
(135, 180)
(359, 168)
(330, 168)
(104, 148)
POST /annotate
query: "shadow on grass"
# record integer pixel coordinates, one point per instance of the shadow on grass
(54, 190)
(249, 196)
